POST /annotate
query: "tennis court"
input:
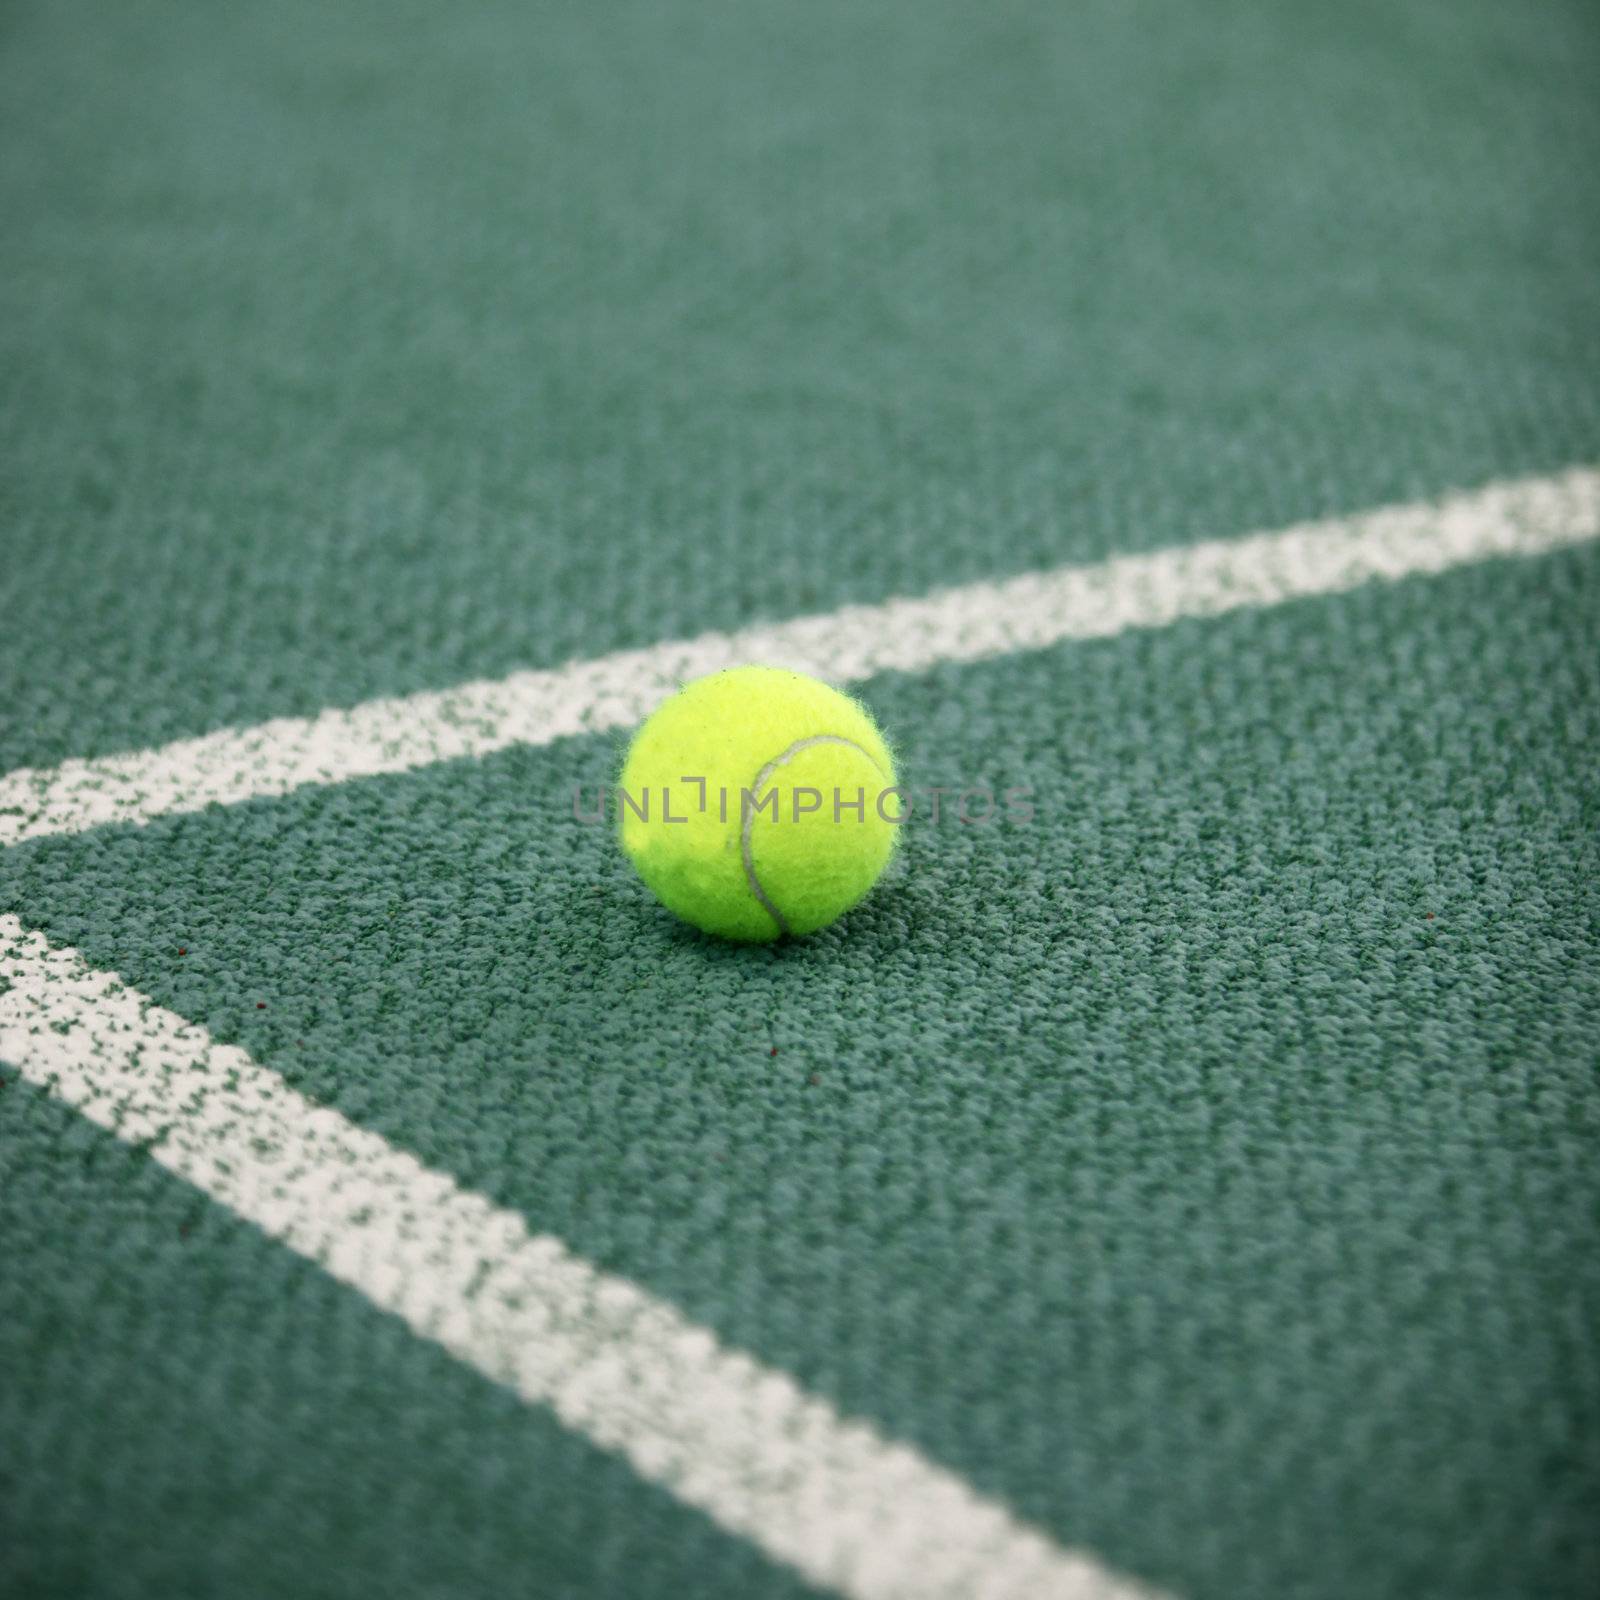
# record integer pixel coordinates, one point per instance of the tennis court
(1183, 1186)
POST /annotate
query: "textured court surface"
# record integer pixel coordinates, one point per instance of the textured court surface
(1194, 1191)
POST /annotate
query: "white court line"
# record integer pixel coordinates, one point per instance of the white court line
(1523, 518)
(743, 1443)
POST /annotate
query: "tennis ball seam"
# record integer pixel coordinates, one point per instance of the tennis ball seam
(747, 823)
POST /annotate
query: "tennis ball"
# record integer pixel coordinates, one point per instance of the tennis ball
(756, 803)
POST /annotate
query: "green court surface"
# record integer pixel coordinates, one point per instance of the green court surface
(1190, 1191)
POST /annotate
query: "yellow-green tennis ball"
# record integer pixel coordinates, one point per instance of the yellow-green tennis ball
(757, 802)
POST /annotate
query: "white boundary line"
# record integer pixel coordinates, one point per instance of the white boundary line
(1523, 518)
(743, 1443)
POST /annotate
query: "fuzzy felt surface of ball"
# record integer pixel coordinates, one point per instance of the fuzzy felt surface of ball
(759, 802)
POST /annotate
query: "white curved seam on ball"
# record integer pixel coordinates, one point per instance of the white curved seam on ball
(748, 819)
